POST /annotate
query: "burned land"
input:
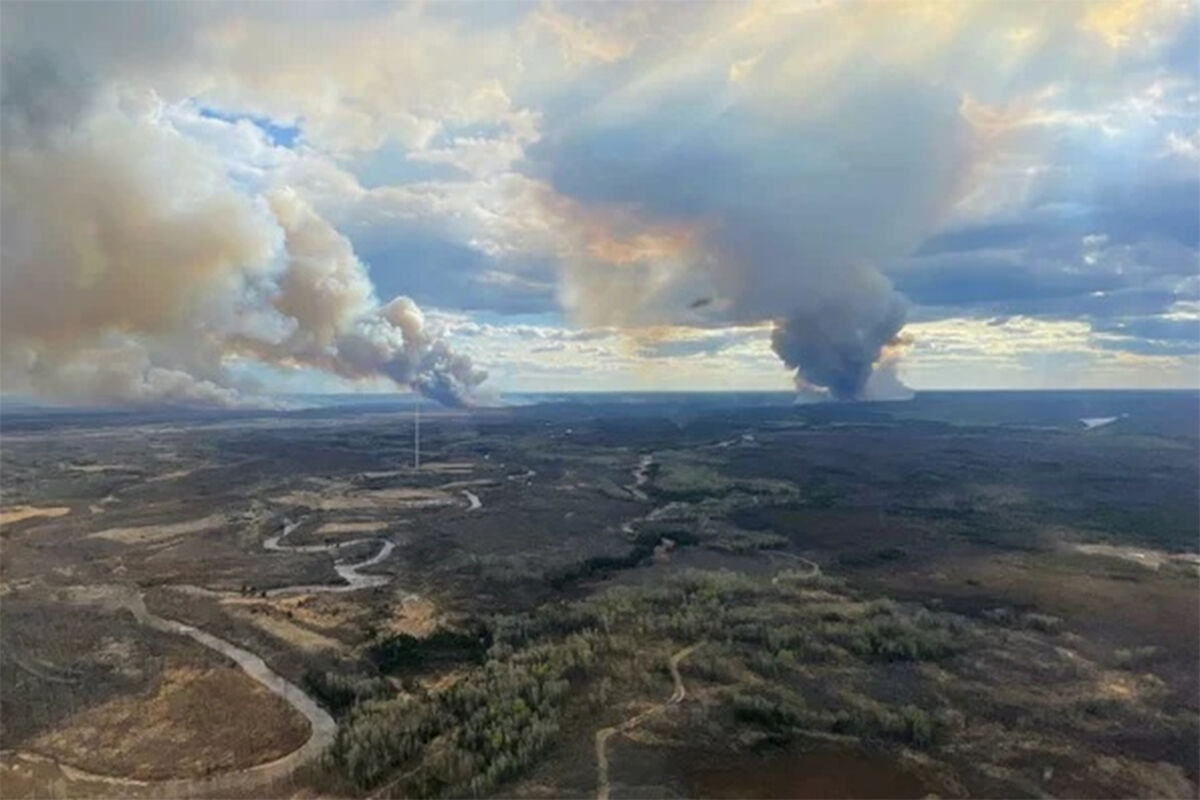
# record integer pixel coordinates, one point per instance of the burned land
(608, 596)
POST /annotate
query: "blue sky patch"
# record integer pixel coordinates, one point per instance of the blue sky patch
(279, 134)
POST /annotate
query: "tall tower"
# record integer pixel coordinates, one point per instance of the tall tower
(417, 433)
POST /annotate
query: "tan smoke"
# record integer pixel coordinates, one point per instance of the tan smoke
(337, 324)
(132, 269)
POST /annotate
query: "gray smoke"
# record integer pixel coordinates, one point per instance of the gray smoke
(787, 223)
(836, 343)
(448, 377)
(133, 269)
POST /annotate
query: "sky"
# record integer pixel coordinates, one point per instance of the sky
(210, 203)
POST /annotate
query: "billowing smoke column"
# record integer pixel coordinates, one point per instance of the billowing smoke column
(780, 212)
(341, 328)
(134, 269)
(837, 345)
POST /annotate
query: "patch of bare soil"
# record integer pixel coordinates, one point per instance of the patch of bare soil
(98, 508)
(170, 476)
(331, 528)
(14, 514)
(325, 612)
(281, 627)
(95, 468)
(448, 467)
(1146, 557)
(342, 499)
(198, 720)
(415, 616)
(143, 534)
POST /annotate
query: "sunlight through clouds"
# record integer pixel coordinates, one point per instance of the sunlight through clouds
(754, 194)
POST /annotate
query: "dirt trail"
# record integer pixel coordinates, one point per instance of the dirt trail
(641, 477)
(680, 692)
(603, 786)
(814, 569)
(40, 674)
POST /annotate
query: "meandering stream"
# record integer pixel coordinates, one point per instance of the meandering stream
(350, 573)
(323, 727)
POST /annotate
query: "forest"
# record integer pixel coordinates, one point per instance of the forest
(546, 668)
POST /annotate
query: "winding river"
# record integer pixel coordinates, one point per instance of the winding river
(322, 725)
(323, 728)
(354, 579)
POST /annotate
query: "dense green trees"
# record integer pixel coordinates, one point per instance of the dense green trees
(468, 738)
(404, 653)
(866, 718)
(341, 691)
(382, 735)
(492, 723)
(643, 548)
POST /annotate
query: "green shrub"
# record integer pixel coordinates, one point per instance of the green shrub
(871, 720)
(1043, 623)
(1135, 657)
(340, 692)
(404, 653)
(768, 708)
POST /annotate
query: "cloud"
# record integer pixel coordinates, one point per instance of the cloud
(1176, 332)
(1029, 353)
(848, 173)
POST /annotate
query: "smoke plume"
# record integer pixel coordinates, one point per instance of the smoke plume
(339, 326)
(787, 223)
(836, 341)
(134, 269)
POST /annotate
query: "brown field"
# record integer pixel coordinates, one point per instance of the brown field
(195, 722)
(363, 499)
(331, 528)
(157, 533)
(826, 771)
(415, 616)
(8, 516)
(281, 627)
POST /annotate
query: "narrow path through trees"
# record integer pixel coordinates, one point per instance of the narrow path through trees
(603, 785)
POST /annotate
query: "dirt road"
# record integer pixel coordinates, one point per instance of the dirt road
(603, 785)
(814, 569)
